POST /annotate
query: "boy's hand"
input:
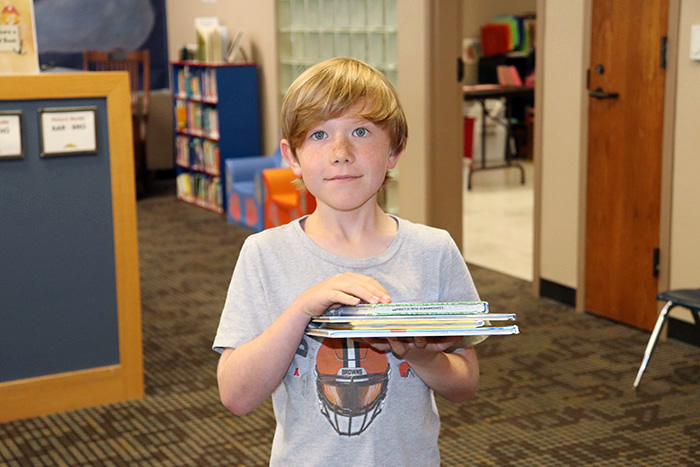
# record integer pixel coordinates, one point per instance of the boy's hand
(415, 350)
(342, 289)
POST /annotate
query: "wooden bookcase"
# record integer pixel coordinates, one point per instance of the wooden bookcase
(217, 117)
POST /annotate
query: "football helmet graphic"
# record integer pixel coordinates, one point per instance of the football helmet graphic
(351, 383)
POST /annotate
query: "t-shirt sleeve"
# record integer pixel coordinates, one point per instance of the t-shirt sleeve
(244, 316)
(457, 284)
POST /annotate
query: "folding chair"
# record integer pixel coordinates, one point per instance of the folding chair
(687, 298)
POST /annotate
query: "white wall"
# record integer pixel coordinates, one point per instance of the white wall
(685, 213)
(258, 19)
(564, 83)
(413, 89)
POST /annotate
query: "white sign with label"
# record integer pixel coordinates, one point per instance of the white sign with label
(10, 40)
(10, 136)
(68, 132)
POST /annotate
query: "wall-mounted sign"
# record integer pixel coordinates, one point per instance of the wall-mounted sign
(11, 135)
(18, 53)
(68, 131)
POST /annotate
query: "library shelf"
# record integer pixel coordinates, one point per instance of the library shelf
(217, 117)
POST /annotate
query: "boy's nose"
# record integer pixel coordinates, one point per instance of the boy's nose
(341, 152)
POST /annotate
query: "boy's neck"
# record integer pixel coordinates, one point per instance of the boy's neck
(355, 234)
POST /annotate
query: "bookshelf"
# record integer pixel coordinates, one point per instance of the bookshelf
(217, 117)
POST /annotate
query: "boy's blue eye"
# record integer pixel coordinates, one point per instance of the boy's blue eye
(318, 135)
(361, 132)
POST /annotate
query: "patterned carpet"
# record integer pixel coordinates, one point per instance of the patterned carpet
(560, 393)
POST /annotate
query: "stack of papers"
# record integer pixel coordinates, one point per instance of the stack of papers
(412, 319)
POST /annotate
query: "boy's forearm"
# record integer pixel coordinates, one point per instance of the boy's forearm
(249, 374)
(454, 376)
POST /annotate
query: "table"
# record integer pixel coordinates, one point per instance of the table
(481, 92)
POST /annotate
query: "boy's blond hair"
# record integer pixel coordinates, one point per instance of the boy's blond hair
(329, 88)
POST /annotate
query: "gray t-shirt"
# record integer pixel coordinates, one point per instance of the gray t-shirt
(342, 403)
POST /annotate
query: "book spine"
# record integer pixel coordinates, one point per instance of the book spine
(411, 309)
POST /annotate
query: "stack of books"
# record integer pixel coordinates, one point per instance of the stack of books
(412, 319)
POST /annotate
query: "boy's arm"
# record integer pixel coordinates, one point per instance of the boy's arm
(452, 375)
(249, 374)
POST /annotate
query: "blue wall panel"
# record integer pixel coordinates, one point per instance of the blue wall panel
(58, 308)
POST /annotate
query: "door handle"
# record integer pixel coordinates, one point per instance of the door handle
(600, 94)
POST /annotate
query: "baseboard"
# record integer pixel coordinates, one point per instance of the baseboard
(684, 331)
(558, 292)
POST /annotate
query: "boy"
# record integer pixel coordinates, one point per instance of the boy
(342, 401)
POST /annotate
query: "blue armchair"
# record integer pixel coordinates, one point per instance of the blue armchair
(245, 189)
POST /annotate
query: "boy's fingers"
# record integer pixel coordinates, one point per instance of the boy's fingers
(420, 342)
(377, 343)
(363, 287)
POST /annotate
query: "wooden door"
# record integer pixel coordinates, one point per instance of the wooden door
(626, 88)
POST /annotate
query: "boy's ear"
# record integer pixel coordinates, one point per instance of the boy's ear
(289, 156)
(394, 158)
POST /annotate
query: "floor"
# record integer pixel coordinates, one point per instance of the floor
(557, 394)
(498, 220)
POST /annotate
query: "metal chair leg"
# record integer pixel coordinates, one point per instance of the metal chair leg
(652, 341)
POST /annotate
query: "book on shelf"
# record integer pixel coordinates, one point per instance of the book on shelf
(181, 115)
(212, 39)
(211, 157)
(181, 87)
(182, 148)
(198, 153)
(210, 122)
(200, 189)
(412, 319)
(209, 92)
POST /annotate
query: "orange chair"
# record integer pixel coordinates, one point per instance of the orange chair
(283, 202)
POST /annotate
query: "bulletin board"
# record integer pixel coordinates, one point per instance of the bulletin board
(59, 306)
(70, 310)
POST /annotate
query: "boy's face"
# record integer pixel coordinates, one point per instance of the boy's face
(343, 161)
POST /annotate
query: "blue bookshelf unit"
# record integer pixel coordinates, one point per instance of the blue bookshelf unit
(217, 117)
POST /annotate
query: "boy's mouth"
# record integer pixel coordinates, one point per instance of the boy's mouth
(340, 178)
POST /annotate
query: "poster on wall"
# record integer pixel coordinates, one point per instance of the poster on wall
(11, 135)
(68, 131)
(18, 52)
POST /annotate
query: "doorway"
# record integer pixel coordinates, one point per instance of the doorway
(498, 211)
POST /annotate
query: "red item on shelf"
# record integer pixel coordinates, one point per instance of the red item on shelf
(495, 39)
